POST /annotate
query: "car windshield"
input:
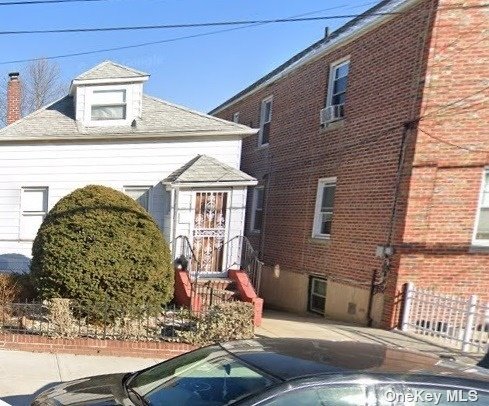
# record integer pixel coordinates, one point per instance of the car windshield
(209, 376)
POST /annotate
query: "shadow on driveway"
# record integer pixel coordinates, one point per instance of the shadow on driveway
(25, 400)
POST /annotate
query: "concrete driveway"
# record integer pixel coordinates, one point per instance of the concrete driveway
(23, 374)
(281, 324)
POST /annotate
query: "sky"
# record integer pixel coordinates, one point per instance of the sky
(199, 73)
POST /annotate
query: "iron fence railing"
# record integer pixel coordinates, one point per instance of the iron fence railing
(97, 320)
(455, 321)
(240, 252)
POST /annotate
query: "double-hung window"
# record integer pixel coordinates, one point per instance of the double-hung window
(336, 98)
(236, 117)
(139, 193)
(323, 215)
(265, 121)
(109, 105)
(481, 232)
(34, 207)
(257, 209)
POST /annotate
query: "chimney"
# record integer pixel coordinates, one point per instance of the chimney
(13, 98)
(326, 32)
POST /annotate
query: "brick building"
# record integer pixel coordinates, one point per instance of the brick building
(372, 160)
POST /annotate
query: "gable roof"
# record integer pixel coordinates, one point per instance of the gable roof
(385, 9)
(110, 70)
(206, 169)
(159, 119)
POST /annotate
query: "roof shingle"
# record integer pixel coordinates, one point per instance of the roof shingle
(205, 169)
(159, 119)
(110, 70)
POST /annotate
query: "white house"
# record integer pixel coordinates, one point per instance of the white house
(181, 165)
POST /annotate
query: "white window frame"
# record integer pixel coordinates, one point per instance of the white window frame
(29, 213)
(106, 123)
(322, 182)
(148, 188)
(311, 294)
(475, 240)
(254, 207)
(332, 69)
(263, 104)
(236, 117)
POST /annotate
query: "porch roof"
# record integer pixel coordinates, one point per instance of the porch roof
(205, 170)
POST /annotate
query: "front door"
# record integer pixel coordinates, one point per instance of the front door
(209, 230)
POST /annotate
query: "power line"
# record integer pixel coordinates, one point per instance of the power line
(190, 25)
(22, 3)
(169, 40)
(448, 105)
(204, 24)
(469, 149)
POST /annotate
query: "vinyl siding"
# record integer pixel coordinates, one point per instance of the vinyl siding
(64, 167)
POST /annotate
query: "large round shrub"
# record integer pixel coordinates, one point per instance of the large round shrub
(99, 246)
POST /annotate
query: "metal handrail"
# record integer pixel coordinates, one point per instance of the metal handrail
(187, 259)
(248, 259)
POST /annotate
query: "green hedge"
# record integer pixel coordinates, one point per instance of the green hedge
(100, 246)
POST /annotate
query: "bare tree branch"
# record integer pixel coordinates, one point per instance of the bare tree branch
(41, 84)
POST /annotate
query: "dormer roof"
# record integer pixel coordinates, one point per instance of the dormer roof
(108, 72)
(111, 70)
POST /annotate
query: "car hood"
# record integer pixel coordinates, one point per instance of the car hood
(102, 390)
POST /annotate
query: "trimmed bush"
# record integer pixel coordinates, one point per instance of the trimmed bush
(223, 322)
(99, 246)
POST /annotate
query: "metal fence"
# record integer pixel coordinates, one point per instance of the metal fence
(97, 320)
(451, 320)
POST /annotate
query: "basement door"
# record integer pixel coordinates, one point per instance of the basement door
(209, 230)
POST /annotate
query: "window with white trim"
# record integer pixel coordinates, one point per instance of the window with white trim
(139, 193)
(323, 215)
(108, 105)
(336, 97)
(265, 121)
(257, 209)
(317, 295)
(481, 231)
(236, 117)
(34, 207)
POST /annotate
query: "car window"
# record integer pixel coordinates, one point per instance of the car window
(338, 395)
(419, 394)
(209, 376)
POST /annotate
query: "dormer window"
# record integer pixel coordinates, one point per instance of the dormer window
(109, 105)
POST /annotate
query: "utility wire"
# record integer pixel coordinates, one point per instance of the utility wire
(469, 149)
(169, 40)
(23, 3)
(205, 24)
(451, 104)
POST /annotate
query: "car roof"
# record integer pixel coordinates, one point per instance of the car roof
(291, 358)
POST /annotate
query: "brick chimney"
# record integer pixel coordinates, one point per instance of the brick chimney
(13, 98)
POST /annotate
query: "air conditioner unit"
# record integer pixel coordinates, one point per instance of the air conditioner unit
(331, 113)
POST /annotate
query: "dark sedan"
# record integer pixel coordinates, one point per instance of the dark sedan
(285, 372)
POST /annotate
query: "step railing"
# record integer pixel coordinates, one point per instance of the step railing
(240, 253)
(185, 257)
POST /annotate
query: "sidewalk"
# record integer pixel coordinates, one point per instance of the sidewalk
(282, 324)
(24, 374)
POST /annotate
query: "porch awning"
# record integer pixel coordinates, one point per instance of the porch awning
(206, 171)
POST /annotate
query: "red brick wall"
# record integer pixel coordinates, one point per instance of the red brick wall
(443, 189)
(89, 346)
(382, 93)
(411, 66)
